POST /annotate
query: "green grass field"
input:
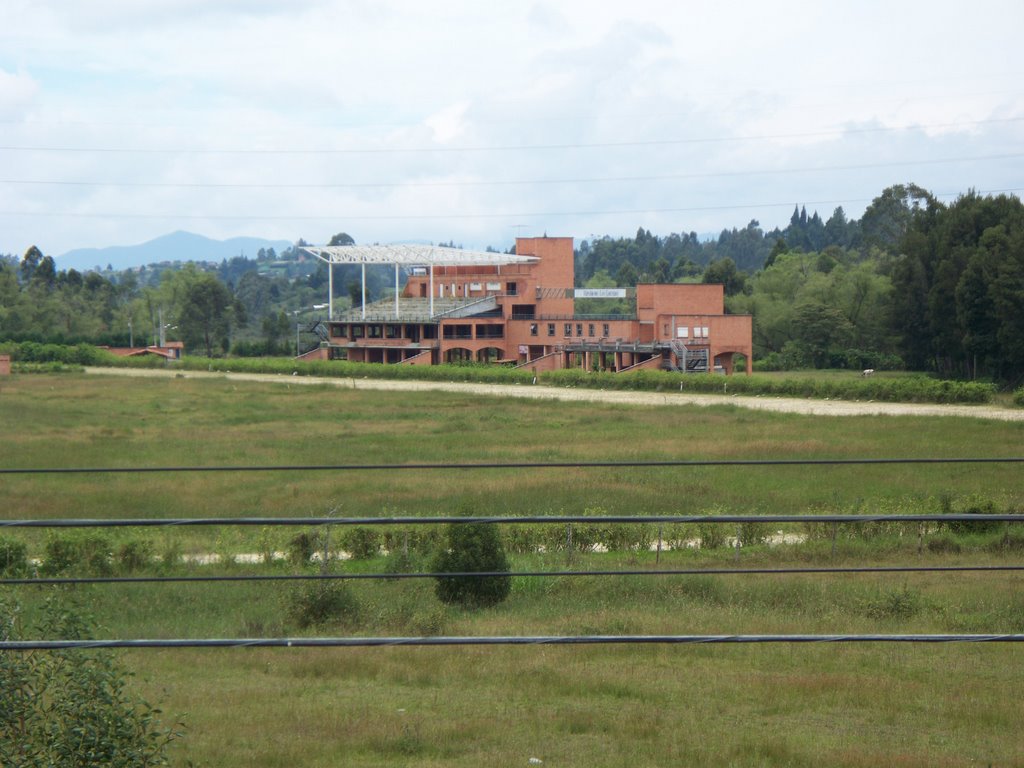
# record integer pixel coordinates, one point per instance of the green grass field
(764, 705)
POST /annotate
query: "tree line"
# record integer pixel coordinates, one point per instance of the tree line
(914, 283)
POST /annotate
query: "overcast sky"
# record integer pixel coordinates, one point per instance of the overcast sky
(121, 120)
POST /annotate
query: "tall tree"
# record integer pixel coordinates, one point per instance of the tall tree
(29, 262)
(206, 313)
(724, 271)
(890, 216)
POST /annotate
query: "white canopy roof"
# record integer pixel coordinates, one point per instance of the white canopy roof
(420, 255)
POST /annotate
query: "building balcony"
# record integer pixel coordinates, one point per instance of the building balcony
(388, 343)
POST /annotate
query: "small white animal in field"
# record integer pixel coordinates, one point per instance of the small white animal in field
(868, 372)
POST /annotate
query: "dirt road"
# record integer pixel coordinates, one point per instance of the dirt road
(778, 404)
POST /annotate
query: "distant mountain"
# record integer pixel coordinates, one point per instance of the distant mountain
(177, 246)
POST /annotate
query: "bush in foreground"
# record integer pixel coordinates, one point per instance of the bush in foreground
(323, 602)
(472, 548)
(67, 708)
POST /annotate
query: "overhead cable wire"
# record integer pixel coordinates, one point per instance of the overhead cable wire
(390, 642)
(462, 216)
(561, 146)
(448, 466)
(824, 570)
(509, 182)
(500, 520)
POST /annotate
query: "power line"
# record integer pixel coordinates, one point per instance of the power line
(387, 642)
(107, 580)
(461, 216)
(510, 465)
(508, 182)
(513, 147)
(503, 520)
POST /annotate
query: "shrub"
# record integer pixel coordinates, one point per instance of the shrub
(301, 547)
(711, 535)
(13, 557)
(134, 555)
(752, 534)
(521, 539)
(170, 554)
(622, 537)
(90, 554)
(323, 601)
(1018, 397)
(418, 538)
(980, 508)
(361, 543)
(400, 561)
(472, 547)
(72, 707)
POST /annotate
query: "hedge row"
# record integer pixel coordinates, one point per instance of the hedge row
(96, 554)
(34, 352)
(912, 389)
(906, 389)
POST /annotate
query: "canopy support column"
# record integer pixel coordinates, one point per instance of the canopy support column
(397, 314)
(330, 288)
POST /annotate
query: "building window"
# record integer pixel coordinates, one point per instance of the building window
(511, 289)
(533, 329)
(551, 329)
(490, 331)
(568, 329)
(458, 331)
(605, 330)
(579, 329)
(358, 331)
(524, 311)
(590, 329)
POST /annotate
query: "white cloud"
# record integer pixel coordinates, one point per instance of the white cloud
(741, 102)
(17, 93)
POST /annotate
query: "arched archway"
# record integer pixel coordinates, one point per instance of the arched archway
(490, 355)
(458, 355)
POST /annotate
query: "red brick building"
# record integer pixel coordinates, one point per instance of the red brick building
(520, 309)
